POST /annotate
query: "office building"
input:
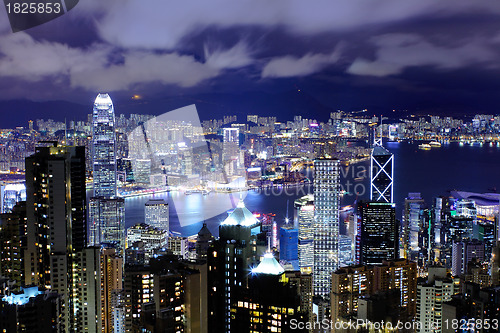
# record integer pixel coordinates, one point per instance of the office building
(142, 171)
(303, 220)
(107, 223)
(104, 147)
(156, 214)
(345, 251)
(382, 171)
(168, 295)
(378, 233)
(289, 242)
(326, 224)
(463, 253)
(152, 238)
(230, 150)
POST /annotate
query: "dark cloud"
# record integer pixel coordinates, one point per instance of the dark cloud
(170, 48)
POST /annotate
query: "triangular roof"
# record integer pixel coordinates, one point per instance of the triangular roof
(240, 216)
(269, 265)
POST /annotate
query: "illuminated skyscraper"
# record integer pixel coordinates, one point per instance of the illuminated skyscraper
(230, 259)
(381, 168)
(107, 223)
(56, 228)
(303, 220)
(378, 234)
(106, 211)
(230, 150)
(326, 223)
(103, 147)
(156, 214)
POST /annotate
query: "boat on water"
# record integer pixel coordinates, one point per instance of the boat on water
(434, 144)
(424, 146)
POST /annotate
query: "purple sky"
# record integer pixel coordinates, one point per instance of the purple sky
(392, 54)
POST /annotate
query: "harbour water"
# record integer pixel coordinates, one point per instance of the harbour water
(431, 172)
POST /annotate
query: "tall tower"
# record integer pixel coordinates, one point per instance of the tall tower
(230, 259)
(103, 147)
(378, 237)
(56, 229)
(382, 171)
(106, 211)
(326, 223)
(230, 150)
(107, 223)
(303, 220)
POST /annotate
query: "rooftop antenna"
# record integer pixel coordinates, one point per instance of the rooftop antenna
(378, 141)
(286, 218)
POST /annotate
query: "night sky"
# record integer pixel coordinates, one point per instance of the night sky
(264, 57)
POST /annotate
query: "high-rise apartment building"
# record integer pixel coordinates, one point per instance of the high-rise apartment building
(430, 298)
(13, 227)
(352, 282)
(56, 216)
(104, 147)
(378, 233)
(111, 284)
(326, 223)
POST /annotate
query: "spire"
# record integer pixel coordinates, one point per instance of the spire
(377, 141)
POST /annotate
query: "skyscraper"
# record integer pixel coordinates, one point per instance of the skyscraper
(430, 299)
(326, 223)
(56, 229)
(412, 219)
(156, 214)
(106, 211)
(230, 150)
(107, 223)
(303, 220)
(463, 253)
(289, 240)
(230, 260)
(381, 168)
(378, 234)
(103, 147)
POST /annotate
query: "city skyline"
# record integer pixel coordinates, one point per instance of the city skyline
(250, 167)
(420, 57)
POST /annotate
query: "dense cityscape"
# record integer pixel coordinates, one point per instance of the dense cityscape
(69, 263)
(249, 166)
